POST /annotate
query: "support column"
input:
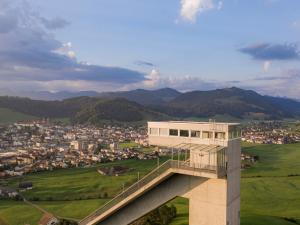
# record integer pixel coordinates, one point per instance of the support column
(208, 203)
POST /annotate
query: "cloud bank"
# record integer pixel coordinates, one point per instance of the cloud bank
(268, 51)
(29, 52)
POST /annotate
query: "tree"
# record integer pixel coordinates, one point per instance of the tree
(160, 216)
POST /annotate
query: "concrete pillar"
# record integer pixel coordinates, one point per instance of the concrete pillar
(207, 203)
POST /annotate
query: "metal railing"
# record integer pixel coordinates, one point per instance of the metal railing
(170, 164)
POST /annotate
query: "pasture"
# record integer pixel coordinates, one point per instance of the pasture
(270, 190)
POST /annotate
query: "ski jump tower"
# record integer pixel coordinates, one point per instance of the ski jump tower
(205, 169)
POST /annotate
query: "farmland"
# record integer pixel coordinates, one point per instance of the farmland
(270, 189)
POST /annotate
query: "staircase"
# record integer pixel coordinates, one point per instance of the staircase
(145, 184)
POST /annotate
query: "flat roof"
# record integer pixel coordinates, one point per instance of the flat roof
(193, 122)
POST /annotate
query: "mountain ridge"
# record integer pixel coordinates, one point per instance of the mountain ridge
(141, 105)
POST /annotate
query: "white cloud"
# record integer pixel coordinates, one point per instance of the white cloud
(153, 79)
(191, 8)
(267, 66)
(66, 49)
(156, 80)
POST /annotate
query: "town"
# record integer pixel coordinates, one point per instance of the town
(41, 145)
(27, 147)
(271, 132)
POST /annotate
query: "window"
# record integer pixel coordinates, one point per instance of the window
(163, 131)
(173, 132)
(153, 131)
(220, 135)
(195, 133)
(207, 134)
(184, 133)
(234, 132)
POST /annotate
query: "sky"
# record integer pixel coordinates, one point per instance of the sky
(111, 45)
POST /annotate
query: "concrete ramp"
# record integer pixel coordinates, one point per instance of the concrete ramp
(173, 178)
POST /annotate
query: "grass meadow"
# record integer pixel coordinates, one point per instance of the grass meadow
(8, 116)
(270, 190)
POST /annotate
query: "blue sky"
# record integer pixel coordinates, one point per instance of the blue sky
(126, 44)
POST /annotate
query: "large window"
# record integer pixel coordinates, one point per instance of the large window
(220, 135)
(195, 133)
(163, 131)
(153, 131)
(184, 133)
(234, 132)
(173, 132)
(207, 134)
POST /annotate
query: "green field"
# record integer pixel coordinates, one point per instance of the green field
(64, 192)
(270, 190)
(132, 144)
(82, 183)
(18, 213)
(129, 144)
(9, 116)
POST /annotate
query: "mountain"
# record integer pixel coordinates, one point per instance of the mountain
(145, 97)
(52, 96)
(141, 96)
(142, 105)
(39, 108)
(83, 109)
(118, 109)
(231, 101)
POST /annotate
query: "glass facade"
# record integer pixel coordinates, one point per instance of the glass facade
(234, 132)
(184, 133)
(173, 132)
(220, 135)
(195, 133)
(212, 134)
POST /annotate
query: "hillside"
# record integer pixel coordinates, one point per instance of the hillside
(39, 108)
(118, 110)
(9, 116)
(141, 96)
(141, 105)
(232, 101)
(146, 97)
(82, 109)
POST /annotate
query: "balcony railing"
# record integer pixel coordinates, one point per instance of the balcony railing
(170, 164)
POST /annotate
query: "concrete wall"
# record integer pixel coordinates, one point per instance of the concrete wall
(169, 141)
(212, 201)
(231, 187)
(233, 182)
(207, 201)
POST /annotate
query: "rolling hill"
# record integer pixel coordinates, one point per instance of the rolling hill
(118, 110)
(234, 102)
(10, 116)
(83, 109)
(141, 105)
(141, 96)
(146, 97)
